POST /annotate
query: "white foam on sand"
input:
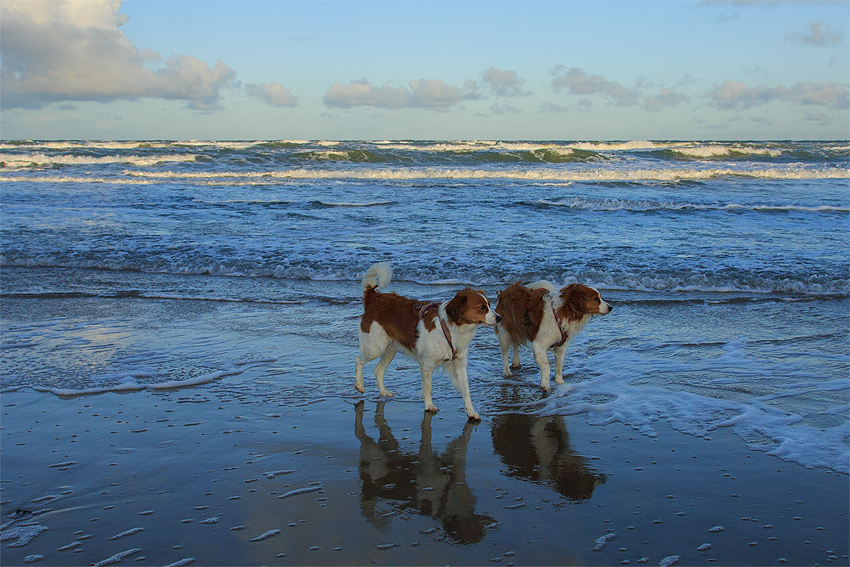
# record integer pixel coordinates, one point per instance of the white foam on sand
(131, 386)
(630, 390)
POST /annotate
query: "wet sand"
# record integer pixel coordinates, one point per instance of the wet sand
(212, 476)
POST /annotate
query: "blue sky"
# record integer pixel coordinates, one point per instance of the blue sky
(572, 70)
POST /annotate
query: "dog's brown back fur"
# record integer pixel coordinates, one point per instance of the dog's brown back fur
(398, 315)
(521, 309)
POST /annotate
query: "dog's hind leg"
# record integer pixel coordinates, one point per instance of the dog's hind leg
(505, 345)
(358, 371)
(385, 361)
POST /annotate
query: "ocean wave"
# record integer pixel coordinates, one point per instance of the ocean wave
(535, 174)
(648, 206)
(30, 161)
(724, 151)
(27, 154)
(366, 204)
(323, 269)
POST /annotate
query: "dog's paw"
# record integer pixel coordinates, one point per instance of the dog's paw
(474, 416)
(507, 374)
(432, 408)
(387, 394)
(545, 388)
(516, 365)
(360, 388)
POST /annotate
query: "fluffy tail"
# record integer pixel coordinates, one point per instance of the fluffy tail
(378, 275)
(542, 284)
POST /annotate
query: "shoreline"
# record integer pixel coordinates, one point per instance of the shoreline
(222, 478)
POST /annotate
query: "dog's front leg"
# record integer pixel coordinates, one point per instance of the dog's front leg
(559, 362)
(458, 372)
(515, 363)
(542, 360)
(427, 372)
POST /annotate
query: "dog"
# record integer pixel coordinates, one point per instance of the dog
(548, 319)
(434, 334)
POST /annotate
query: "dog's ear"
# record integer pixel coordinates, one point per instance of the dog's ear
(574, 299)
(456, 305)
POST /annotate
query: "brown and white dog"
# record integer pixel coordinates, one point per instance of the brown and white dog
(548, 319)
(435, 335)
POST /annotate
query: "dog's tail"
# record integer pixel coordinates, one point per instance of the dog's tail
(378, 275)
(542, 284)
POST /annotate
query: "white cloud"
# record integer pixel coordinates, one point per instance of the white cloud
(272, 94)
(578, 81)
(731, 95)
(665, 99)
(504, 83)
(66, 50)
(817, 36)
(424, 93)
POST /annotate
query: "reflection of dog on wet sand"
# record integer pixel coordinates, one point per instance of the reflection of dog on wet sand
(434, 334)
(548, 319)
(538, 449)
(424, 482)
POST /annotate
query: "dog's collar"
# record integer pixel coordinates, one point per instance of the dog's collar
(430, 307)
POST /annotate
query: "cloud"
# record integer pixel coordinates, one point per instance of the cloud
(504, 83)
(817, 36)
(551, 107)
(504, 109)
(585, 105)
(66, 50)
(578, 81)
(664, 99)
(272, 94)
(819, 117)
(731, 95)
(424, 93)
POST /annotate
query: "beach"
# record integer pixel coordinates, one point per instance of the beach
(180, 324)
(207, 476)
(281, 462)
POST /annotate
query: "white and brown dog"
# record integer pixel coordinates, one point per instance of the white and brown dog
(434, 334)
(548, 319)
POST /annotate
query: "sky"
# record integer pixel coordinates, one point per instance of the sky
(434, 70)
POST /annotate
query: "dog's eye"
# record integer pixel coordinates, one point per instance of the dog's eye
(482, 307)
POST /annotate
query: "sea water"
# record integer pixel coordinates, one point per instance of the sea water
(125, 264)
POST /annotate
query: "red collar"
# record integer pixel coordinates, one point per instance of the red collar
(446, 333)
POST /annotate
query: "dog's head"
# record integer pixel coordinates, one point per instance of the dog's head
(580, 300)
(471, 307)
